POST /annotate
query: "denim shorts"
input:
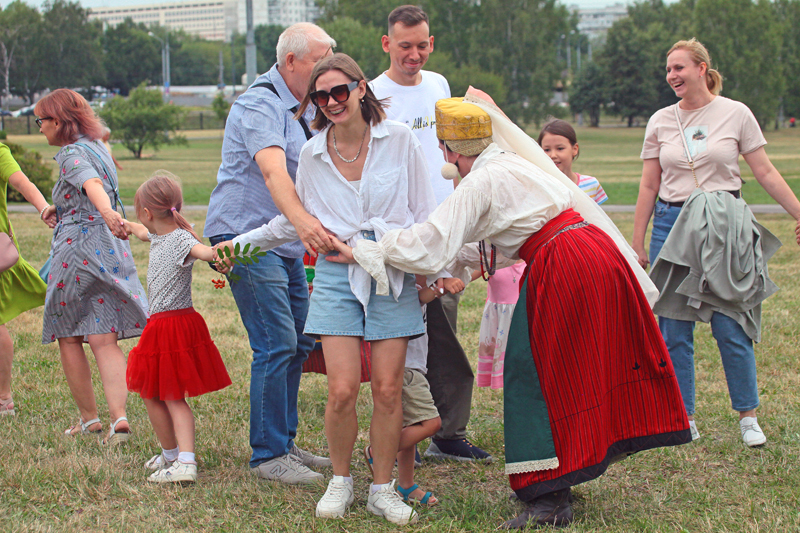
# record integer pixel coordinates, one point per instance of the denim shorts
(334, 309)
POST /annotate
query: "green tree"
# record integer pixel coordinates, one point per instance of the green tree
(589, 93)
(131, 56)
(745, 41)
(21, 50)
(788, 11)
(361, 42)
(220, 106)
(143, 119)
(72, 51)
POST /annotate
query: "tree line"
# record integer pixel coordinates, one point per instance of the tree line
(755, 45)
(516, 50)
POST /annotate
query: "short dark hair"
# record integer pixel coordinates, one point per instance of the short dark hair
(560, 127)
(408, 15)
(371, 107)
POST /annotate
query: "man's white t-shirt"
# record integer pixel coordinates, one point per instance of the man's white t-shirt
(415, 107)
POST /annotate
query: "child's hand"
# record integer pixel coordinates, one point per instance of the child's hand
(453, 285)
(126, 225)
(223, 265)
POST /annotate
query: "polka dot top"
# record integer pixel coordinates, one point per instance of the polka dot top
(169, 273)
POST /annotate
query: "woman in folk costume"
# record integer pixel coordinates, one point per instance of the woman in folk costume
(573, 403)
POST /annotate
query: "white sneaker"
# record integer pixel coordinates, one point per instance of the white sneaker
(751, 431)
(177, 473)
(309, 459)
(287, 469)
(389, 504)
(693, 429)
(337, 498)
(157, 462)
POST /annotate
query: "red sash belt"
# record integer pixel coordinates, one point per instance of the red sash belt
(567, 217)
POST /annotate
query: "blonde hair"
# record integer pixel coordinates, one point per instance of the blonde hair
(699, 54)
(161, 194)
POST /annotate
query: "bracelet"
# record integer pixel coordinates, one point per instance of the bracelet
(41, 213)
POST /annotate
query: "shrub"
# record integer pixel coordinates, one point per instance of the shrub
(32, 164)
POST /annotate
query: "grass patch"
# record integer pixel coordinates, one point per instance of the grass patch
(609, 154)
(51, 483)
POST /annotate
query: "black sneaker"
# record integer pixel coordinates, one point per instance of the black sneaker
(457, 450)
(417, 458)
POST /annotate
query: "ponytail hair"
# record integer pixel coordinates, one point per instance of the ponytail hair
(699, 54)
(161, 195)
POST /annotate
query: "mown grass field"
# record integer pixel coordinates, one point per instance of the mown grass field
(52, 483)
(610, 154)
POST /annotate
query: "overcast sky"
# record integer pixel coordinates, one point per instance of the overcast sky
(115, 3)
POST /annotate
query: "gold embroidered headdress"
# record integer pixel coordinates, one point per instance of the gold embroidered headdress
(465, 128)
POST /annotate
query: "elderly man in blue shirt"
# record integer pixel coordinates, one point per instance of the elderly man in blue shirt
(255, 183)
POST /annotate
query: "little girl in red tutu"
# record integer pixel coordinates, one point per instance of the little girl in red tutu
(175, 357)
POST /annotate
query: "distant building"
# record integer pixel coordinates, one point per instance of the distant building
(595, 22)
(211, 19)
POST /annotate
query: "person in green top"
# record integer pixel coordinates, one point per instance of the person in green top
(21, 288)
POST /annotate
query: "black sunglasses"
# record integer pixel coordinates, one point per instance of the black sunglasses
(340, 94)
(42, 119)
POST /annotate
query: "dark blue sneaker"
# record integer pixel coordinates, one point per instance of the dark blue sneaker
(457, 450)
(417, 458)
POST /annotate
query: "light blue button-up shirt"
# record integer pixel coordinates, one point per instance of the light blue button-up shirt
(258, 119)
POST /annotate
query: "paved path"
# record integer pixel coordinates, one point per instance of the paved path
(755, 208)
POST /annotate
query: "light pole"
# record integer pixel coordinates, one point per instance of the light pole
(164, 62)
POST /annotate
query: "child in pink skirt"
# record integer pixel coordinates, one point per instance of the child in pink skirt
(175, 357)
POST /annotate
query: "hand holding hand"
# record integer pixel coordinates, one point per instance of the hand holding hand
(453, 285)
(345, 252)
(49, 216)
(313, 235)
(223, 264)
(116, 224)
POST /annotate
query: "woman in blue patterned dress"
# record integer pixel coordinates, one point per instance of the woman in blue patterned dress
(93, 292)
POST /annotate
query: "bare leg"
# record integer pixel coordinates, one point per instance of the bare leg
(343, 361)
(6, 360)
(388, 361)
(183, 421)
(79, 378)
(111, 364)
(409, 437)
(161, 420)
(742, 414)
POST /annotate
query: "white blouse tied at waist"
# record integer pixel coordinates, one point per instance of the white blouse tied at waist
(395, 192)
(504, 197)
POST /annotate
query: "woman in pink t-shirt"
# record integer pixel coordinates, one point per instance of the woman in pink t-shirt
(716, 130)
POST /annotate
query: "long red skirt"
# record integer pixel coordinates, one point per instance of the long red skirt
(175, 358)
(603, 368)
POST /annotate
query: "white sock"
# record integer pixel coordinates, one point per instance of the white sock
(170, 455)
(343, 479)
(375, 488)
(186, 457)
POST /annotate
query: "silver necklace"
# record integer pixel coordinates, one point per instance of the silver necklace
(336, 149)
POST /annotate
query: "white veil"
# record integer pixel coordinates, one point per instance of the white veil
(510, 137)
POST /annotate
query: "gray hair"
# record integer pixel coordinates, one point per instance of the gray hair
(297, 39)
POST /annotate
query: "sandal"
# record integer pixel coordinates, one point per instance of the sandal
(84, 428)
(368, 457)
(117, 437)
(429, 499)
(7, 407)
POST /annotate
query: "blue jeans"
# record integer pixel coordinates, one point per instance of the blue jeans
(272, 297)
(735, 347)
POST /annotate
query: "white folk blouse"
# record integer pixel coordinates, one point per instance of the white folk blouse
(395, 192)
(504, 197)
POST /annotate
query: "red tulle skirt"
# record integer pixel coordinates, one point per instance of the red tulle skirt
(175, 358)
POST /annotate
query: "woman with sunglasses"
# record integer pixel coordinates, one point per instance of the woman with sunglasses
(93, 291)
(360, 176)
